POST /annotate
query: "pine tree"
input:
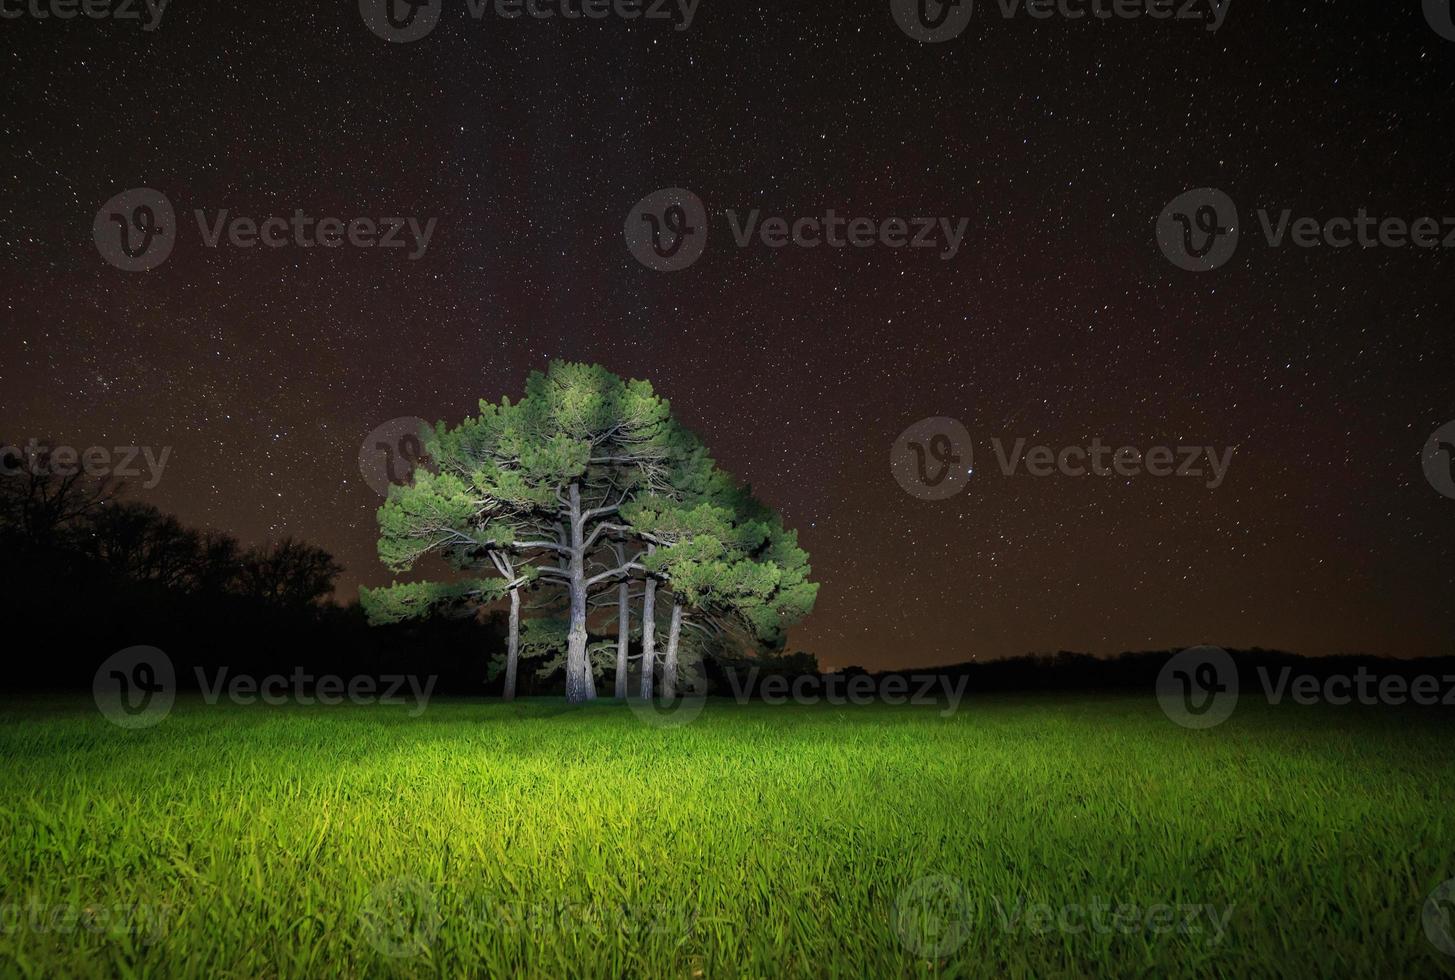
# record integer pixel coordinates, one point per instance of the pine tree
(731, 565)
(532, 490)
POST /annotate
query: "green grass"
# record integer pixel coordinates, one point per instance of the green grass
(484, 839)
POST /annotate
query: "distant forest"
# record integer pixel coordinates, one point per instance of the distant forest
(84, 572)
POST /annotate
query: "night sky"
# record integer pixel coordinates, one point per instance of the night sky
(1060, 320)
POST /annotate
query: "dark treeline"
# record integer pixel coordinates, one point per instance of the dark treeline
(84, 572)
(1071, 671)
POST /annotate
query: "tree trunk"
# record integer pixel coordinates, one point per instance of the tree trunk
(579, 685)
(649, 634)
(512, 653)
(669, 664)
(623, 636)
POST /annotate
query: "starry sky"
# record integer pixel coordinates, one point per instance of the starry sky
(1060, 320)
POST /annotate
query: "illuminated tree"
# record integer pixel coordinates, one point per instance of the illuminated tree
(731, 566)
(532, 490)
(583, 487)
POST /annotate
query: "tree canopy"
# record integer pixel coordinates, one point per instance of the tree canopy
(577, 493)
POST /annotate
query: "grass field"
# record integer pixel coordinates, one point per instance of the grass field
(1020, 837)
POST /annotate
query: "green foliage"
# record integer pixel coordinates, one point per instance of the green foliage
(544, 638)
(415, 600)
(494, 502)
(798, 664)
(498, 480)
(726, 555)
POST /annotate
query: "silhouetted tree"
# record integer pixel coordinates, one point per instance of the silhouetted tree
(288, 574)
(41, 497)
